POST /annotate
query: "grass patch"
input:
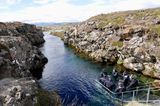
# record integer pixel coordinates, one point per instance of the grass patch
(59, 34)
(102, 24)
(119, 20)
(125, 17)
(156, 29)
(117, 43)
(113, 20)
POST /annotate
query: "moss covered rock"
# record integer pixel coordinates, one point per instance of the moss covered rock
(45, 98)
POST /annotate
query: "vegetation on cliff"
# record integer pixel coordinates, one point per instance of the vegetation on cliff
(45, 98)
(129, 38)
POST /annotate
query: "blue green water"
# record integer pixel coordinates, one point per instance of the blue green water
(71, 76)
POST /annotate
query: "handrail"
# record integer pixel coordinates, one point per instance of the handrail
(148, 90)
(127, 90)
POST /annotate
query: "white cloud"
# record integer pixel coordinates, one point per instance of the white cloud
(138, 4)
(42, 1)
(4, 7)
(10, 2)
(5, 4)
(62, 10)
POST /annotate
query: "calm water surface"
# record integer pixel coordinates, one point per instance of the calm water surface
(71, 76)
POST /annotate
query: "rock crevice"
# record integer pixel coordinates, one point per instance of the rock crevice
(20, 63)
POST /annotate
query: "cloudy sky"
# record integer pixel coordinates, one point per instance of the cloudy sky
(65, 10)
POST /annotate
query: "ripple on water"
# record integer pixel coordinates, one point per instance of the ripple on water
(72, 77)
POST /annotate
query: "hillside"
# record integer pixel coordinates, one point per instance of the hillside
(129, 39)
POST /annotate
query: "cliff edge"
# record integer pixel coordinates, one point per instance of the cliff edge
(130, 39)
(20, 63)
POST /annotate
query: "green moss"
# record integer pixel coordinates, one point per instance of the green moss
(102, 24)
(120, 61)
(45, 98)
(144, 79)
(117, 43)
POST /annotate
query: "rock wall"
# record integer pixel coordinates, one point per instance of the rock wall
(133, 43)
(20, 63)
(18, 55)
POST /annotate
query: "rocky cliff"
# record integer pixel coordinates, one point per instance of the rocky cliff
(130, 39)
(20, 61)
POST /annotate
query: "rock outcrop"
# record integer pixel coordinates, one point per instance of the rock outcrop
(128, 38)
(18, 55)
(20, 63)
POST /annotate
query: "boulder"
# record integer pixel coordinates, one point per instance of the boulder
(143, 56)
(98, 55)
(130, 63)
(156, 83)
(156, 21)
(94, 35)
(134, 42)
(151, 70)
(19, 92)
(25, 92)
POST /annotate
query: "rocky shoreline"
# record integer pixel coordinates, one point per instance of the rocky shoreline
(130, 39)
(21, 63)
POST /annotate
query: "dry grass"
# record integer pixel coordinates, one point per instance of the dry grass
(156, 28)
(59, 34)
(120, 18)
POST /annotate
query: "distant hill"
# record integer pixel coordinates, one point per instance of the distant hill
(52, 23)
